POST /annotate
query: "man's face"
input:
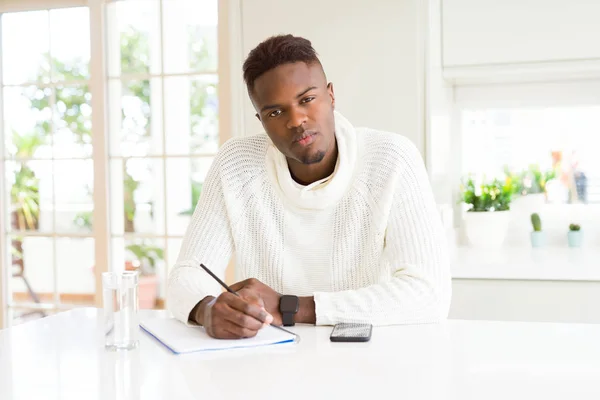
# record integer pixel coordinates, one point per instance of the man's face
(295, 106)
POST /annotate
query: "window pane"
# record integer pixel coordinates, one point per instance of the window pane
(75, 261)
(546, 150)
(184, 186)
(70, 43)
(192, 115)
(146, 256)
(136, 48)
(190, 34)
(137, 196)
(74, 187)
(29, 186)
(73, 124)
(27, 115)
(135, 113)
(25, 47)
(32, 269)
(173, 249)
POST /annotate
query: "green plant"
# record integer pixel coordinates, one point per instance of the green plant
(147, 255)
(536, 222)
(25, 197)
(574, 227)
(492, 196)
(530, 181)
(130, 185)
(84, 219)
(24, 193)
(196, 191)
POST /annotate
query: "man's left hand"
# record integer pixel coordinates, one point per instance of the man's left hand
(252, 288)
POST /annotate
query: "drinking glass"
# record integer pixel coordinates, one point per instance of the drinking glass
(120, 295)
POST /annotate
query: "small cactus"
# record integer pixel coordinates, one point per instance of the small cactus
(536, 222)
(574, 227)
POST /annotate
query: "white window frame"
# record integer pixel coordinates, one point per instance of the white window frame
(230, 96)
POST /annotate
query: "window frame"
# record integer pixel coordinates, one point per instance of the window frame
(230, 97)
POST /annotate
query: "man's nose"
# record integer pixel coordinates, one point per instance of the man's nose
(297, 117)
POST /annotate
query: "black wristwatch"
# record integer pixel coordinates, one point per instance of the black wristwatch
(288, 306)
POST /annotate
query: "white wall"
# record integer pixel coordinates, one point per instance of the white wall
(371, 51)
(480, 32)
(439, 111)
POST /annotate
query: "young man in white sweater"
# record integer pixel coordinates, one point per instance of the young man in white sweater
(329, 223)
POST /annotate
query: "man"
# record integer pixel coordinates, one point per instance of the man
(329, 223)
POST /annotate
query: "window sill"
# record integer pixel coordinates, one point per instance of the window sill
(514, 263)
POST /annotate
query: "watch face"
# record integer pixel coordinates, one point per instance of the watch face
(288, 304)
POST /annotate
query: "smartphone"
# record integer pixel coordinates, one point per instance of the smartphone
(350, 332)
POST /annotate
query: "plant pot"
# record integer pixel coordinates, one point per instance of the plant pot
(575, 238)
(487, 229)
(147, 291)
(529, 203)
(538, 239)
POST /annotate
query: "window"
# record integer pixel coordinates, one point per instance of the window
(543, 140)
(161, 129)
(550, 150)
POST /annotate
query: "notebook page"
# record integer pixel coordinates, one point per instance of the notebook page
(180, 338)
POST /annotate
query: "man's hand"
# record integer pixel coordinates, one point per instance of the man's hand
(253, 288)
(231, 317)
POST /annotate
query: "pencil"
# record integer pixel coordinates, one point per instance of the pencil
(208, 271)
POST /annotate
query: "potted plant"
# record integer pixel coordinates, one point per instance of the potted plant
(488, 215)
(538, 238)
(143, 259)
(529, 188)
(575, 235)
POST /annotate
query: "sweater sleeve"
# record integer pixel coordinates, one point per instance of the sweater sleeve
(419, 287)
(208, 240)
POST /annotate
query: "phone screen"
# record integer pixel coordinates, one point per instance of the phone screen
(346, 332)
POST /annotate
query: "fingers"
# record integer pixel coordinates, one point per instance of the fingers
(251, 297)
(246, 283)
(250, 308)
(231, 317)
(233, 331)
(242, 320)
(240, 285)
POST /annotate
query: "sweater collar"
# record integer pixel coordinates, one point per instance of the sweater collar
(338, 183)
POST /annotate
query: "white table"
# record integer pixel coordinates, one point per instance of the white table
(61, 357)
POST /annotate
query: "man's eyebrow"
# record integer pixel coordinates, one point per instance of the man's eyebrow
(270, 106)
(306, 91)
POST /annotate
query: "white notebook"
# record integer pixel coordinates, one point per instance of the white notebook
(180, 338)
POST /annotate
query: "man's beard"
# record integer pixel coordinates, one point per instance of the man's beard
(313, 158)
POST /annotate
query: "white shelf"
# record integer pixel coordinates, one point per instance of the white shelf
(546, 264)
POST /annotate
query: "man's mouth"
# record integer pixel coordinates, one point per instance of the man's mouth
(306, 138)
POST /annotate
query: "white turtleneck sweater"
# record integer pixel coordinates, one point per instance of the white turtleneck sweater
(366, 242)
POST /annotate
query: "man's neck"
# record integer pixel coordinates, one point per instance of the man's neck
(306, 174)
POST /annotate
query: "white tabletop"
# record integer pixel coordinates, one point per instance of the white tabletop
(62, 357)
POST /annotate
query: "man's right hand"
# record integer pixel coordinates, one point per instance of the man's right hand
(231, 317)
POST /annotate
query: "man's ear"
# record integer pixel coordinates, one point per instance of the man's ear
(331, 93)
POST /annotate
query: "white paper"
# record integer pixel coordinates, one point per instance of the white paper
(180, 338)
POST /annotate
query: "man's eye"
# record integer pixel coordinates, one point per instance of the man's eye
(275, 113)
(307, 99)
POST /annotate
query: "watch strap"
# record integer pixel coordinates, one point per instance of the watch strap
(288, 319)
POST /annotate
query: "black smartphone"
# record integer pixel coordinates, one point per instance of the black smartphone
(349, 332)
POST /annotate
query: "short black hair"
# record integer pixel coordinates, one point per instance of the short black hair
(276, 51)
